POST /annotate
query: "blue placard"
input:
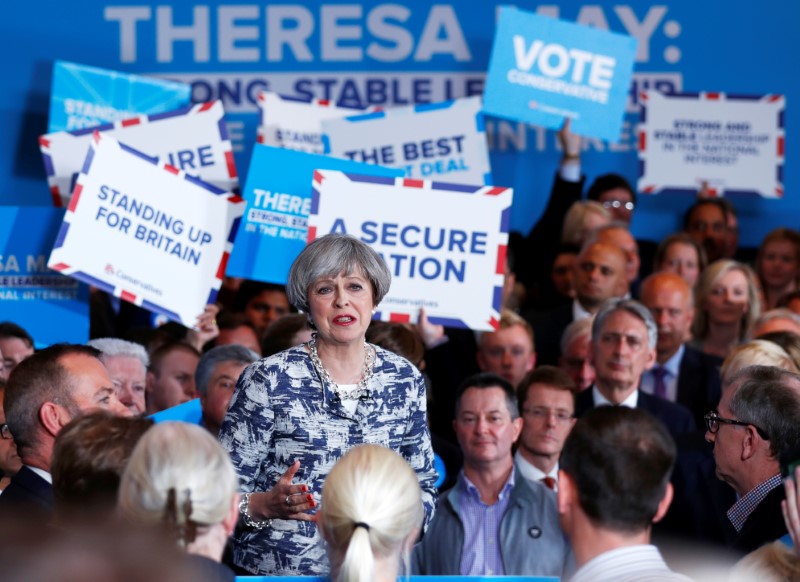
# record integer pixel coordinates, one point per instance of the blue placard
(51, 307)
(84, 96)
(278, 195)
(543, 69)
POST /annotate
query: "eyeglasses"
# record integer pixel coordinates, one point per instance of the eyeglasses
(5, 432)
(713, 420)
(539, 413)
(616, 204)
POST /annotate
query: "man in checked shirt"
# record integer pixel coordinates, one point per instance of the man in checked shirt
(755, 431)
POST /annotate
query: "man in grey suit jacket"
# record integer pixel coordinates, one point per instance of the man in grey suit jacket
(493, 522)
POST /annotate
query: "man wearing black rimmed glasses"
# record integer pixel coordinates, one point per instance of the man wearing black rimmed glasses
(755, 430)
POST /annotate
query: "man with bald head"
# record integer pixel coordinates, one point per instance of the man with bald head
(599, 275)
(681, 373)
(618, 235)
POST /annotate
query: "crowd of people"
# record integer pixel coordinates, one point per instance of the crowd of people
(635, 416)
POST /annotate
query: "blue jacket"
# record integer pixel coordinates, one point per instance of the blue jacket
(531, 540)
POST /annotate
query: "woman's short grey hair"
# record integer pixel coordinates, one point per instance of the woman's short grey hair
(215, 356)
(111, 347)
(186, 460)
(331, 255)
(634, 308)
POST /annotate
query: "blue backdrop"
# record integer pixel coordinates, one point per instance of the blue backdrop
(394, 53)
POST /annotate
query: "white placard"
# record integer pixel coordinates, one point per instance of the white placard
(445, 244)
(194, 140)
(146, 232)
(722, 143)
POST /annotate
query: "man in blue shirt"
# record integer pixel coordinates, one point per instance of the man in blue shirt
(493, 522)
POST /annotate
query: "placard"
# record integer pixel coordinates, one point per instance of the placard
(727, 144)
(278, 195)
(193, 139)
(51, 307)
(146, 231)
(445, 244)
(296, 122)
(440, 141)
(543, 70)
(83, 96)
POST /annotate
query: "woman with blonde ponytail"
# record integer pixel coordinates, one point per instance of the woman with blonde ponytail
(370, 515)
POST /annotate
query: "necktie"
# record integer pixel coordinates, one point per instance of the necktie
(549, 482)
(660, 386)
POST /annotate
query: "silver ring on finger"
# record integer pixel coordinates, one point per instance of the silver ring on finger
(288, 502)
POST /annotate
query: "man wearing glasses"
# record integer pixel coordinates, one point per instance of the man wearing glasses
(755, 431)
(547, 402)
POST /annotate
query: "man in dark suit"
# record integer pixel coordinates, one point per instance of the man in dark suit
(599, 275)
(681, 374)
(44, 393)
(756, 430)
(623, 347)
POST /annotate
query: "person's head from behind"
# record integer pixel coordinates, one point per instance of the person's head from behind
(170, 379)
(370, 514)
(757, 352)
(287, 332)
(774, 320)
(88, 459)
(127, 364)
(400, 338)
(216, 376)
(16, 344)
(581, 220)
(51, 388)
(614, 472)
(790, 342)
(181, 479)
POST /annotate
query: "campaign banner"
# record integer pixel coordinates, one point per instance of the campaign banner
(51, 307)
(193, 139)
(543, 70)
(451, 263)
(83, 96)
(278, 195)
(726, 144)
(146, 232)
(444, 140)
(296, 122)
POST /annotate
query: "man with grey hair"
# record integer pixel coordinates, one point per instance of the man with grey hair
(215, 378)
(576, 357)
(127, 364)
(624, 338)
(755, 431)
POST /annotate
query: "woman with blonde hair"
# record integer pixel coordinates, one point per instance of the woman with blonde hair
(370, 515)
(758, 352)
(582, 219)
(727, 305)
(180, 479)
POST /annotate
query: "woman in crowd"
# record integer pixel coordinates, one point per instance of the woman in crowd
(727, 304)
(582, 219)
(294, 414)
(680, 254)
(179, 478)
(370, 515)
(778, 264)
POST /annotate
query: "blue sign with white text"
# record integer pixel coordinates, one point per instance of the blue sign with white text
(278, 194)
(543, 70)
(52, 308)
(84, 96)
